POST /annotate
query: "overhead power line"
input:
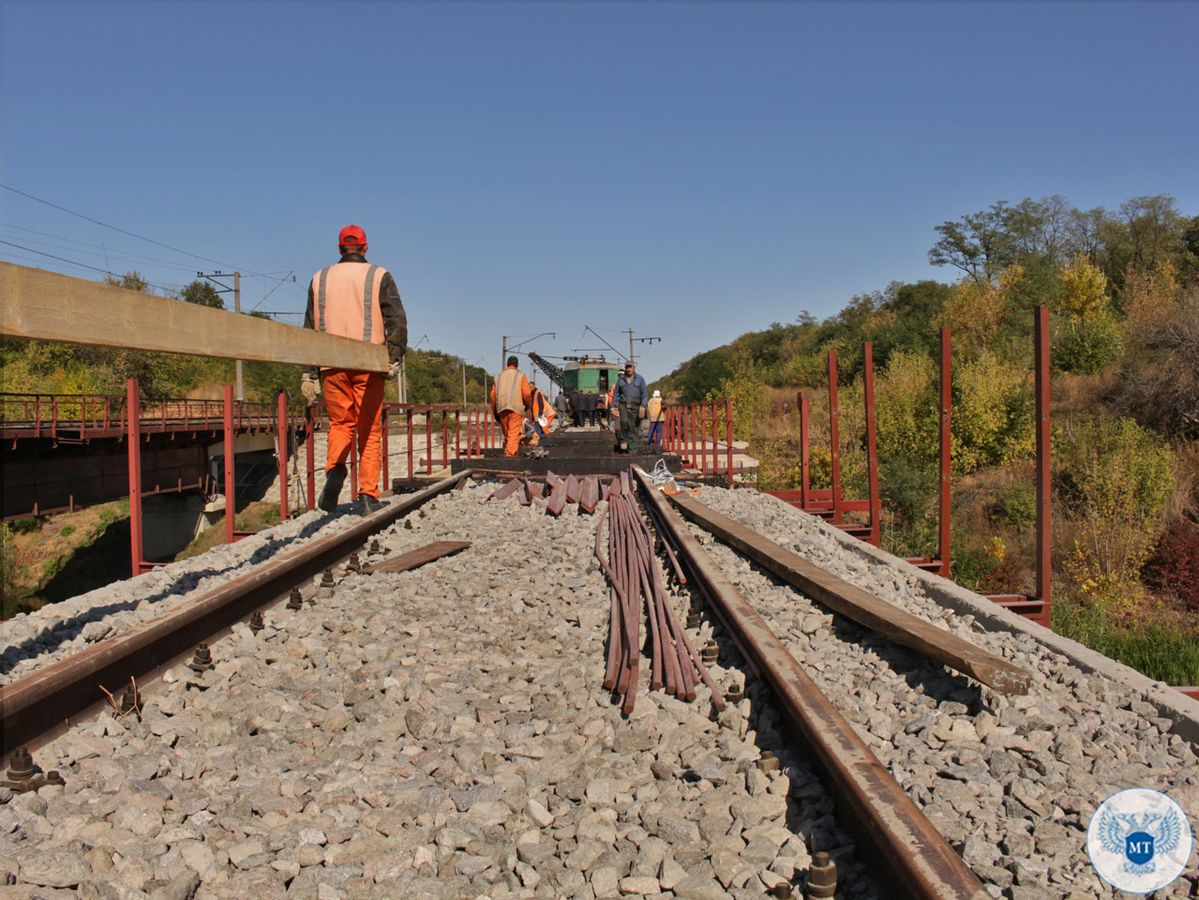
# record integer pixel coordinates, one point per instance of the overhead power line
(140, 237)
(81, 265)
(107, 250)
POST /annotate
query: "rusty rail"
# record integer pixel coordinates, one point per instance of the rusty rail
(55, 694)
(854, 603)
(909, 853)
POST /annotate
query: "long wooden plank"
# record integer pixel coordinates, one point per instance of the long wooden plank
(415, 558)
(912, 858)
(52, 307)
(854, 603)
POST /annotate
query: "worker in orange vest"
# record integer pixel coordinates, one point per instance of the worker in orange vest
(355, 299)
(511, 396)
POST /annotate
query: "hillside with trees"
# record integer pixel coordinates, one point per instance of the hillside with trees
(1123, 290)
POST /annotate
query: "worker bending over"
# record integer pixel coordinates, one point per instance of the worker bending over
(511, 396)
(354, 299)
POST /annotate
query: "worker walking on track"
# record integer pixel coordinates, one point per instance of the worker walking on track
(511, 396)
(628, 402)
(355, 299)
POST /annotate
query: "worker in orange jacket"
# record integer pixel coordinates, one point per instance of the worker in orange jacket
(542, 412)
(354, 299)
(511, 396)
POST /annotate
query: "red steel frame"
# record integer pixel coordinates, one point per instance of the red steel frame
(687, 429)
(1037, 607)
(940, 562)
(876, 507)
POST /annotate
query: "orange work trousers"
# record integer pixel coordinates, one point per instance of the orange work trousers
(512, 423)
(354, 401)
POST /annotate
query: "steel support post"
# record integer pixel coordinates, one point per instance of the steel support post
(385, 424)
(230, 457)
(728, 436)
(428, 443)
(282, 431)
(716, 436)
(1044, 488)
(946, 480)
(445, 439)
(408, 416)
(876, 505)
(310, 456)
(834, 425)
(458, 435)
(134, 437)
(805, 452)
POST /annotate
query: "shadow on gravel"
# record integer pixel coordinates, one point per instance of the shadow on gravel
(51, 638)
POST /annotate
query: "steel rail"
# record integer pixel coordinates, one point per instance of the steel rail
(857, 604)
(52, 695)
(909, 854)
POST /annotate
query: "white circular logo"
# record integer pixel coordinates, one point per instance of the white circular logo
(1139, 840)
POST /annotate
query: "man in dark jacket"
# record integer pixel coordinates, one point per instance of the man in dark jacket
(628, 402)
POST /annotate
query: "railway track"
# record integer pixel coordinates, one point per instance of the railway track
(443, 731)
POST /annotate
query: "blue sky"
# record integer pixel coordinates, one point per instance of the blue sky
(691, 171)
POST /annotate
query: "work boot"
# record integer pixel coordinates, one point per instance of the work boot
(334, 479)
(368, 504)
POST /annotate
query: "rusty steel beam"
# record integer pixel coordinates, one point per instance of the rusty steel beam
(54, 694)
(910, 855)
(854, 603)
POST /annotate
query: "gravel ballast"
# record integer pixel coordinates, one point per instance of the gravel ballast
(440, 732)
(443, 732)
(1011, 780)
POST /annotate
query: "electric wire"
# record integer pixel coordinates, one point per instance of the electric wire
(82, 265)
(125, 231)
(113, 251)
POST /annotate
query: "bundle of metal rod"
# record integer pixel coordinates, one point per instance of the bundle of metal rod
(635, 578)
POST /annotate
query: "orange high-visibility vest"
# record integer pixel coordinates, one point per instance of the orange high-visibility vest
(346, 301)
(508, 394)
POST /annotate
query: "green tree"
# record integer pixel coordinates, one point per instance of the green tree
(202, 294)
(980, 244)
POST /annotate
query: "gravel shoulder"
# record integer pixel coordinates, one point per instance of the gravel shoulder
(440, 732)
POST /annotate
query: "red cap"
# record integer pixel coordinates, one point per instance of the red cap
(351, 234)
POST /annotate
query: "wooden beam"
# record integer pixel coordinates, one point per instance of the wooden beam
(854, 603)
(415, 558)
(47, 306)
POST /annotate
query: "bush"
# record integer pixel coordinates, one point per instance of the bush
(1086, 345)
(1173, 568)
(993, 418)
(1114, 479)
(906, 403)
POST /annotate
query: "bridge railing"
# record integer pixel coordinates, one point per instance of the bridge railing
(80, 416)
